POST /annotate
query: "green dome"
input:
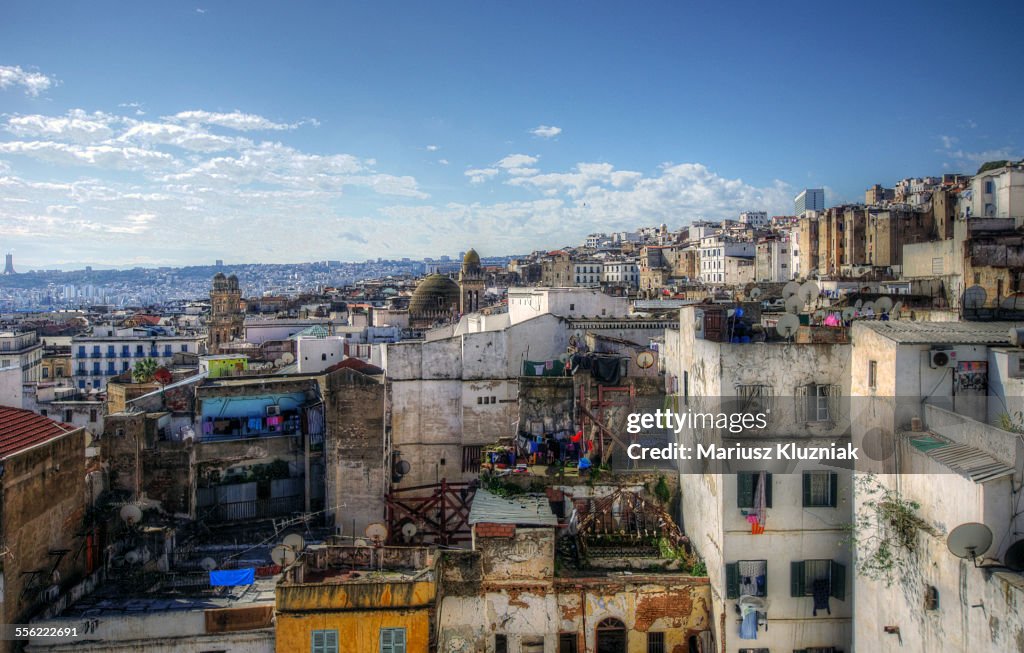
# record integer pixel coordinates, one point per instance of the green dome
(435, 293)
(471, 258)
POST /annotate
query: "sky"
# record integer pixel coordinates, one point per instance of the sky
(177, 134)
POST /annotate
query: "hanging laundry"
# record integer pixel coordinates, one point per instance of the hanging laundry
(748, 627)
(820, 591)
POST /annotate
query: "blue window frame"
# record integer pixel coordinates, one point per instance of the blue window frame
(324, 641)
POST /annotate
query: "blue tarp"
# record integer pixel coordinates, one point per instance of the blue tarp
(233, 577)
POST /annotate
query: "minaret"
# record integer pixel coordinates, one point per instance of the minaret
(9, 264)
(471, 283)
(226, 316)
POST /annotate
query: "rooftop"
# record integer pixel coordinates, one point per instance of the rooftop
(963, 459)
(22, 429)
(927, 333)
(526, 510)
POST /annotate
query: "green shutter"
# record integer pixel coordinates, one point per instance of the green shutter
(796, 578)
(386, 641)
(732, 580)
(807, 490)
(837, 580)
(318, 641)
(744, 489)
(767, 490)
(833, 489)
(399, 634)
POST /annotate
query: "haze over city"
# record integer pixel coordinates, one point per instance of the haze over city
(258, 132)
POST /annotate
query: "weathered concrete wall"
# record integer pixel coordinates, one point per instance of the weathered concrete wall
(169, 476)
(42, 509)
(527, 555)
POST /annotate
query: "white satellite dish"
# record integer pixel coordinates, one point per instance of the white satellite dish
(754, 293)
(287, 358)
(849, 313)
(208, 564)
(883, 305)
(819, 314)
(278, 362)
(974, 297)
(809, 292)
(295, 541)
(361, 542)
(409, 530)
(133, 557)
(790, 289)
(787, 325)
(868, 306)
(794, 304)
(563, 358)
(969, 541)
(897, 308)
(376, 531)
(283, 555)
(859, 303)
(131, 514)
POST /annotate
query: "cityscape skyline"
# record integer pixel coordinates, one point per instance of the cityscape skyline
(380, 133)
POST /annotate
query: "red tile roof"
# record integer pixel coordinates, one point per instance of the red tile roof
(21, 429)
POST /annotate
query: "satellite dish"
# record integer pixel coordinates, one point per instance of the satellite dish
(1014, 558)
(730, 312)
(287, 358)
(790, 289)
(409, 530)
(754, 293)
(787, 325)
(897, 308)
(794, 304)
(133, 557)
(208, 564)
(361, 542)
(859, 303)
(403, 467)
(868, 306)
(278, 362)
(883, 305)
(809, 292)
(564, 357)
(970, 540)
(974, 297)
(376, 531)
(131, 514)
(819, 314)
(295, 541)
(849, 313)
(283, 555)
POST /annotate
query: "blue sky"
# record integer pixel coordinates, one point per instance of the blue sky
(281, 132)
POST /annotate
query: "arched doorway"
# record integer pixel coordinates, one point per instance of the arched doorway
(611, 636)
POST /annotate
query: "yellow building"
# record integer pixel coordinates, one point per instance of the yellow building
(333, 601)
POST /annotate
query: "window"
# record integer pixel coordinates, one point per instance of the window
(184, 348)
(46, 373)
(817, 403)
(323, 357)
(532, 645)
(873, 374)
(754, 398)
(655, 642)
(567, 643)
(746, 487)
(92, 415)
(324, 641)
(746, 578)
(500, 644)
(68, 415)
(829, 575)
(392, 640)
(754, 650)
(471, 458)
(820, 489)
(989, 187)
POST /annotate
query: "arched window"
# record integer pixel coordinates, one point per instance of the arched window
(611, 636)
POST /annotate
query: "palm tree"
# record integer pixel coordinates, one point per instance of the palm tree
(144, 370)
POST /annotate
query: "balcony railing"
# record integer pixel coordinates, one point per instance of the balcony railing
(255, 509)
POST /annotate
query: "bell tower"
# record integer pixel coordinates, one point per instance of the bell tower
(471, 283)
(226, 316)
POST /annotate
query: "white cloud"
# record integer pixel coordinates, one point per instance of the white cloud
(102, 156)
(480, 175)
(443, 162)
(235, 120)
(77, 126)
(34, 83)
(948, 141)
(432, 148)
(189, 137)
(546, 131)
(516, 161)
(978, 158)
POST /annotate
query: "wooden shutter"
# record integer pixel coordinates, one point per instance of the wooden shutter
(744, 489)
(833, 489)
(807, 490)
(837, 580)
(797, 586)
(768, 490)
(732, 580)
(800, 400)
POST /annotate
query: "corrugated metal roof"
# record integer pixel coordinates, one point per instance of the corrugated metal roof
(21, 429)
(963, 459)
(526, 510)
(951, 333)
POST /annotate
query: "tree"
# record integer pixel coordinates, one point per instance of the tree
(144, 370)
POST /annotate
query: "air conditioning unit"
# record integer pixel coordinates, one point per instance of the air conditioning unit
(939, 358)
(273, 410)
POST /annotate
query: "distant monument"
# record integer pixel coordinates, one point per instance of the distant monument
(226, 316)
(9, 264)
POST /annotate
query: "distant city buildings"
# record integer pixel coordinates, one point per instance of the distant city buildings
(809, 199)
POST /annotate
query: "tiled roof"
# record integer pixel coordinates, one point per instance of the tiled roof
(21, 429)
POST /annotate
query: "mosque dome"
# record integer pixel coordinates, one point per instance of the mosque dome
(471, 259)
(436, 293)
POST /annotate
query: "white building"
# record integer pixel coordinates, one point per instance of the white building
(587, 273)
(22, 350)
(714, 250)
(809, 199)
(109, 351)
(754, 219)
(996, 193)
(527, 303)
(774, 260)
(808, 504)
(621, 272)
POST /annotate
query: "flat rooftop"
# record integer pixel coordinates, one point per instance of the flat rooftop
(925, 333)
